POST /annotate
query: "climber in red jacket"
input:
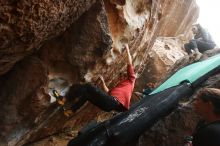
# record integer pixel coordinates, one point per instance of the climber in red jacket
(117, 98)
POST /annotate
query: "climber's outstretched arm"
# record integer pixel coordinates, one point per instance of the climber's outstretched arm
(103, 84)
(130, 68)
(129, 59)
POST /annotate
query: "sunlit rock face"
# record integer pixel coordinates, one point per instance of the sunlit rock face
(47, 45)
(166, 55)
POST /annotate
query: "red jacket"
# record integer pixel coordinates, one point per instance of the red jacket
(123, 90)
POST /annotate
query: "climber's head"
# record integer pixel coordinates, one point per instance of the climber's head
(195, 29)
(207, 103)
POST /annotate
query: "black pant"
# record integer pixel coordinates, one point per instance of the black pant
(89, 92)
(201, 45)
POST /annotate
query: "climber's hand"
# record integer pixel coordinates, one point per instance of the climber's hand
(101, 77)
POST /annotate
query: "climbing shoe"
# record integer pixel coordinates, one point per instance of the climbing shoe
(59, 98)
(67, 112)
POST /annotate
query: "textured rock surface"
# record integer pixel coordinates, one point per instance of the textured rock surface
(165, 57)
(22, 99)
(73, 46)
(26, 24)
(210, 53)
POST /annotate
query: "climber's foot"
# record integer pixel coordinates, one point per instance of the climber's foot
(60, 99)
(67, 112)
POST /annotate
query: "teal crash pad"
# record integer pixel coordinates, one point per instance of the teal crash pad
(190, 73)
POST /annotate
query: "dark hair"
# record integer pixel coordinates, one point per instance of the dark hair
(212, 95)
